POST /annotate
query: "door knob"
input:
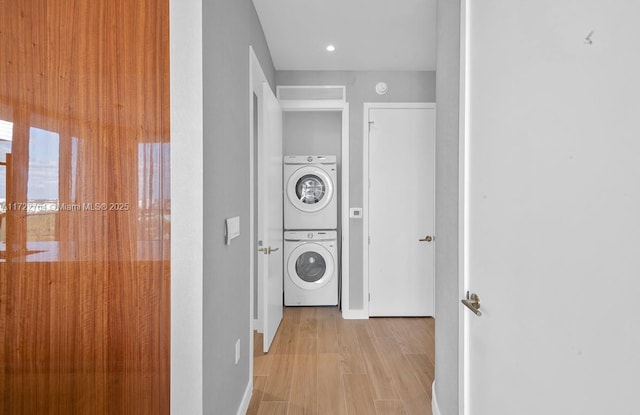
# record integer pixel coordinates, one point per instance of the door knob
(472, 302)
(427, 238)
(268, 250)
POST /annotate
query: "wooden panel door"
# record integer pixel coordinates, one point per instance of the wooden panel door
(84, 207)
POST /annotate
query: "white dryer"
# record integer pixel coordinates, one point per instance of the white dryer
(310, 194)
(310, 268)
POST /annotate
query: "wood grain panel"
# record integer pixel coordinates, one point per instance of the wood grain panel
(330, 385)
(389, 408)
(378, 327)
(278, 387)
(352, 360)
(381, 383)
(261, 360)
(327, 333)
(410, 390)
(304, 391)
(273, 408)
(308, 322)
(423, 368)
(256, 397)
(358, 395)
(419, 335)
(84, 292)
(369, 346)
(287, 334)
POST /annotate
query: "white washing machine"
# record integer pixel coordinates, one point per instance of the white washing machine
(310, 268)
(310, 192)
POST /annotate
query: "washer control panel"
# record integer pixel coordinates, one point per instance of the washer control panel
(310, 235)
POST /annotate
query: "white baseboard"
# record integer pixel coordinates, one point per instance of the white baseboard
(354, 315)
(246, 399)
(435, 409)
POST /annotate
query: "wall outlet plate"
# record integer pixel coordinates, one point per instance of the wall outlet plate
(355, 213)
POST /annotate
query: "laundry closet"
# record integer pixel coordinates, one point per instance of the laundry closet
(312, 196)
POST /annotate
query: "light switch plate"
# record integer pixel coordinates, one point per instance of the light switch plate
(355, 213)
(232, 229)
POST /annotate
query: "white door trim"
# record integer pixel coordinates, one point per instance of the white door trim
(343, 108)
(365, 187)
(463, 348)
(256, 79)
(186, 362)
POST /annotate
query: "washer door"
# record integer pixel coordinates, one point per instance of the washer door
(310, 266)
(310, 189)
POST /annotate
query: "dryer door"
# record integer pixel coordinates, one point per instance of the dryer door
(310, 189)
(310, 266)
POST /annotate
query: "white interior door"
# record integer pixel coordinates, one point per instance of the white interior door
(270, 230)
(401, 210)
(552, 207)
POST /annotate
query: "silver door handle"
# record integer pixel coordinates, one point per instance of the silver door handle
(268, 250)
(472, 302)
(427, 238)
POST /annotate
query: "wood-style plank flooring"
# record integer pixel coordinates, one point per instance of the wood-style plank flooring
(320, 364)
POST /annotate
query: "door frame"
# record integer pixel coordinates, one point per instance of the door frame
(187, 208)
(364, 314)
(343, 108)
(463, 209)
(256, 80)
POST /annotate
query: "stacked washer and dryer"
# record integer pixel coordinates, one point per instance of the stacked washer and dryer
(310, 236)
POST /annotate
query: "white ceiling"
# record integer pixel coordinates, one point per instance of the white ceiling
(368, 34)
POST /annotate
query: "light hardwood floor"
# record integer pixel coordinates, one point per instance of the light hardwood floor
(320, 364)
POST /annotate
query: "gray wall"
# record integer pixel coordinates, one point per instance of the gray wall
(409, 86)
(260, 47)
(229, 27)
(313, 132)
(447, 123)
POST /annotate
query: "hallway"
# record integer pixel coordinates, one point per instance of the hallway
(321, 364)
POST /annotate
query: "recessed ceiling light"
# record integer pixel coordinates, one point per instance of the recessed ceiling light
(331, 48)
